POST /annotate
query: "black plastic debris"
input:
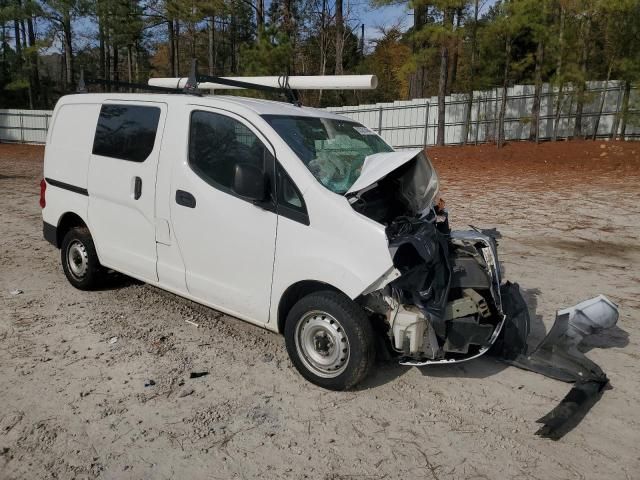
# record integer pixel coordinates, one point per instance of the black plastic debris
(198, 374)
(557, 355)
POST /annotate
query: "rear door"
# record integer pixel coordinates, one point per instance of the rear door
(121, 185)
(227, 242)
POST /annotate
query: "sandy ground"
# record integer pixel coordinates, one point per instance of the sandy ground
(74, 405)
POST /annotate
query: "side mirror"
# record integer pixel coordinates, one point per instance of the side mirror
(249, 182)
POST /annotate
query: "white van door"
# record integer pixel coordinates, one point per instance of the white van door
(121, 185)
(227, 243)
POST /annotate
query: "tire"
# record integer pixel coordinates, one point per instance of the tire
(80, 260)
(315, 326)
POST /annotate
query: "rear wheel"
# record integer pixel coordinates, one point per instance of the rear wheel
(80, 260)
(330, 340)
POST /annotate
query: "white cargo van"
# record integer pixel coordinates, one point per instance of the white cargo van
(291, 218)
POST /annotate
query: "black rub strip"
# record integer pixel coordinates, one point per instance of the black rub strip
(66, 186)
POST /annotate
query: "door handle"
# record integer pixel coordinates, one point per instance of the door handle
(137, 188)
(185, 199)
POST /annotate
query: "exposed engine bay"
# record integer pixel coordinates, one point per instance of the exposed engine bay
(446, 301)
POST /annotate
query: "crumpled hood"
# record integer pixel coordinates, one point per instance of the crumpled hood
(379, 165)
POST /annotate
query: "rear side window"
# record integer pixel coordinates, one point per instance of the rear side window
(217, 143)
(127, 132)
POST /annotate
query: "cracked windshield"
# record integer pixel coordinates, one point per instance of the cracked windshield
(333, 150)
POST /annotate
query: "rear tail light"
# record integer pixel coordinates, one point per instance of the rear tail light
(43, 189)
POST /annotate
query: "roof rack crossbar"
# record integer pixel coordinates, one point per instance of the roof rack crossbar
(288, 91)
(284, 88)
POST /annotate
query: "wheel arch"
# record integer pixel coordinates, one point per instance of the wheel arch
(295, 292)
(68, 221)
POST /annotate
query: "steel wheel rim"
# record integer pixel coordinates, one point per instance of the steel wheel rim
(77, 259)
(322, 344)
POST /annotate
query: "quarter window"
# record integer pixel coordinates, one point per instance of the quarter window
(290, 201)
(288, 194)
(217, 143)
(127, 132)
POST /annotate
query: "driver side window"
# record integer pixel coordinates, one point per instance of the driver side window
(217, 143)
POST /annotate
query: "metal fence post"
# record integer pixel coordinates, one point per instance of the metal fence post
(616, 118)
(426, 125)
(478, 119)
(21, 128)
(380, 121)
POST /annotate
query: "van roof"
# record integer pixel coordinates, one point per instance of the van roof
(256, 105)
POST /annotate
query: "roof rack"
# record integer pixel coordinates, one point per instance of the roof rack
(82, 85)
(284, 89)
(191, 86)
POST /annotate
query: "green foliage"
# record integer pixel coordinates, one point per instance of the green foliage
(597, 39)
(270, 55)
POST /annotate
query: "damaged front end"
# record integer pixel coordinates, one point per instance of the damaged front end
(445, 301)
(443, 304)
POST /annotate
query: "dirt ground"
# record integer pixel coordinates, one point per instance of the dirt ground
(73, 365)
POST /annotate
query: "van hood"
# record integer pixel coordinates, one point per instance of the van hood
(407, 176)
(379, 165)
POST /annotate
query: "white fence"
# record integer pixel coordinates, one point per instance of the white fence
(413, 123)
(24, 126)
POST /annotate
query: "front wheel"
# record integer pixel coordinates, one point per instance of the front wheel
(330, 340)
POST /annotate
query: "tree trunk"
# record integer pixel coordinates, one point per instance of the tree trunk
(339, 37)
(559, 99)
(24, 33)
(505, 86)
(136, 62)
(534, 128)
(130, 63)
(68, 47)
(233, 30)
(107, 58)
(472, 71)
(625, 109)
(454, 57)
(417, 78)
(33, 59)
(323, 45)
(259, 18)
(172, 48)
(211, 30)
(442, 92)
(101, 48)
(442, 81)
(116, 61)
(584, 55)
(16, 29)
(176, 49)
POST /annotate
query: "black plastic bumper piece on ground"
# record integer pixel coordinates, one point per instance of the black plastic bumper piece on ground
(557, 356)
(571, 410)
(49, 232)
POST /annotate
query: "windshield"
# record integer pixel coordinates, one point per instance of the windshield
(332, 150)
